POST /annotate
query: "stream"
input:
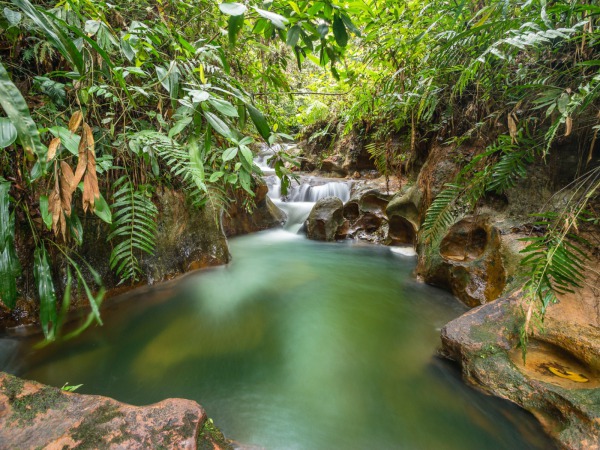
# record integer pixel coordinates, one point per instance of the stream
(294, 345)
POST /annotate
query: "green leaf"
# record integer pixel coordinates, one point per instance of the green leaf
(215, 176)
(232, 9)
(223, 106)
(259, 122)
(69, 140)
(91, 27)
(277, 20)
(339, 31)
(247, 155)
(293, 36)
(46, 215)
(8, 132)
(218, 125)
(234, 26)
(42, 274)
(13, 17)
(17, 111)
(179, 126)
(230, 153)
(102, 210)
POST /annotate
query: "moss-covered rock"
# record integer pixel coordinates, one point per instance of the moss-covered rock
(36, 416)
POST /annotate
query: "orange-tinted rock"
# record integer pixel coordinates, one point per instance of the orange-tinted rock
(33, 415)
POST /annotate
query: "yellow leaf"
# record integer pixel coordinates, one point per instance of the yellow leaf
(568, 375)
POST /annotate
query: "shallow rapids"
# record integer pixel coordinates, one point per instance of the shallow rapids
(295, 345)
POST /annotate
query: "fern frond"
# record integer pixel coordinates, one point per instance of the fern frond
(511, 166)
(133, 226)
(442, 213)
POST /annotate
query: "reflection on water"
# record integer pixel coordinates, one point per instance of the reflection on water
(295, 345)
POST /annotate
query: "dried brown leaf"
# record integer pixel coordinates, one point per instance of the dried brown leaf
(569, 126)
(512, 126)
(91, 191)
(75, 121)
(54, 144)
(66, 187)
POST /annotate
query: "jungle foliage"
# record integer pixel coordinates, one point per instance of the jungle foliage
(104, 101)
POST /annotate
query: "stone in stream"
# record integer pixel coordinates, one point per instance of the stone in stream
(325, 219)
(33, 415)
(559, 382)
(469, 262)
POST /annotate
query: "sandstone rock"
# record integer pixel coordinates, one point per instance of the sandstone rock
(329, 165)
(34, 416)
(469, 262)
(237, 220)
(485, 342)
(403, 216)
(325, 219)
(365, 214)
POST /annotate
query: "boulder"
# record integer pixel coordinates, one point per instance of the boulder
(559, 381)
(325, 219)
(330, 165)
(469, 262)
(33, 415)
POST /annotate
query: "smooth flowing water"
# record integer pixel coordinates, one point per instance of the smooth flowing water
(295, 345)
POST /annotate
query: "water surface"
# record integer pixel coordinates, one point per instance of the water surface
(295, 345)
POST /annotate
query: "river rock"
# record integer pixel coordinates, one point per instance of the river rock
(485, 343)
(237, 220)
(331, 166)
(325, 219)
(468, 262)
(33, 415)
(403, 216)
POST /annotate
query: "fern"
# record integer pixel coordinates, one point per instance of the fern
(134, 226)
(441, 214)
(511, 166)
(181, 165)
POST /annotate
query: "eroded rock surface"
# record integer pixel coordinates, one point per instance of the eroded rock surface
(34, 416)
(469, 262)
(559, 382)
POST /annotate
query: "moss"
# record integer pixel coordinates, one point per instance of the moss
(26, 408)
(211, 435)
(91, 433)
(12, 387)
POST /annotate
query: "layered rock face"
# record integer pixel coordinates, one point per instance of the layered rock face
(33, 415)
(559, 380)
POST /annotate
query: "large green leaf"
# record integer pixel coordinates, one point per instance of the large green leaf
(42, 274)
(259, 122)
(59, 39)
(218, 125)
(10, 268)
(223, 106)
(234, 26)
(339, 31)
(277, 20)
(8, 132)
(17, 111)
(232, 9)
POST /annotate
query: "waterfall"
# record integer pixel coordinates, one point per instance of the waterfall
(302, 195)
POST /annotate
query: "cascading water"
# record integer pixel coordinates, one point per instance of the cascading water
(302, 196)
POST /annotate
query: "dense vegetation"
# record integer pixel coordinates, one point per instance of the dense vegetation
(105, 101)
